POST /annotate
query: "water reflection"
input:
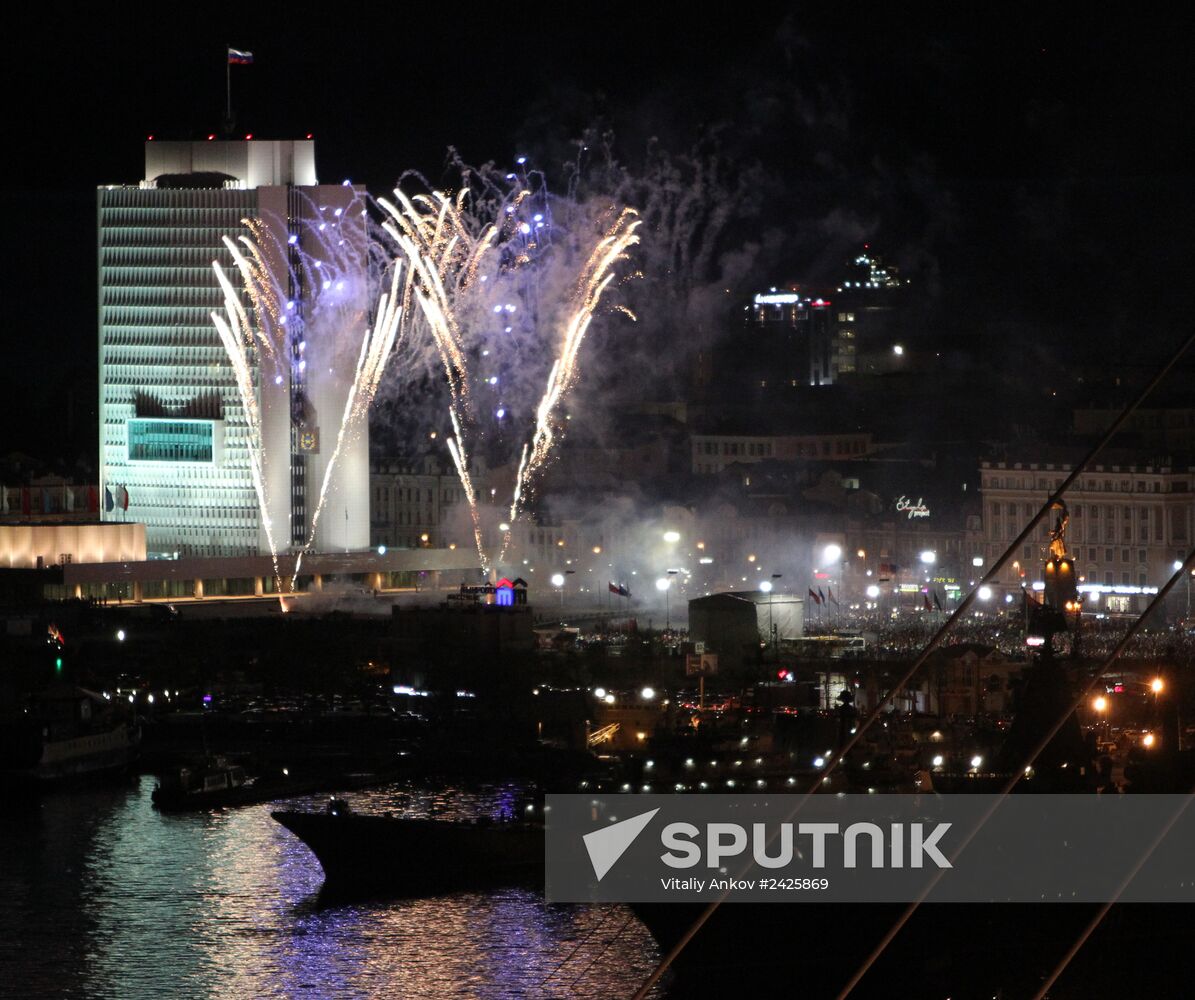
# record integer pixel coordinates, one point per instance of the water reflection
(104, 897)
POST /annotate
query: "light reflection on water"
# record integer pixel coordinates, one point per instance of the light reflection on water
(101, 896)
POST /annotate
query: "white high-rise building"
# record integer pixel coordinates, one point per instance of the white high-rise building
(174, 438)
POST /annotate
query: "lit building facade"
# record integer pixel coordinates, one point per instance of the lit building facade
(713, 453)
(1128, 524)
(175, 440)
(418, 504)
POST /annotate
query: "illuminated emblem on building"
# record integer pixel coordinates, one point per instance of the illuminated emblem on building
(918, 509)
(309, 440)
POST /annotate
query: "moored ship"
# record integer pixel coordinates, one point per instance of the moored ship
(404, 856)
(66, 732)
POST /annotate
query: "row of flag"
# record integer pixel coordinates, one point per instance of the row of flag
(819, 598)
(47, 500)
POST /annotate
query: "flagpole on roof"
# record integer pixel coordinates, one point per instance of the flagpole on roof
(228, 89)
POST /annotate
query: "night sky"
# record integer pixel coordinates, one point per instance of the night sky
(1028, 170)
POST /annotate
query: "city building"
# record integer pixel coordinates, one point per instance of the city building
(713, 453)
(817, 336)
(418, 503)
(1129, 524)
(176, 440)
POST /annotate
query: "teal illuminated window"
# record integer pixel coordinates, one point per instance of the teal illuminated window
(171, 440)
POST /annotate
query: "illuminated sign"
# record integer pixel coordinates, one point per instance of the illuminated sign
(309, 440)
(778, 299)
(907, 506)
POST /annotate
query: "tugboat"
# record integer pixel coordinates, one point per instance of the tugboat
(407, 857)
(208, 784)
(66, 732)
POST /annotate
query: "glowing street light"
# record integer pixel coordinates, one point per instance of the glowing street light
(648, 694)
(672, 537)
(766, 586)
(873, 592)
(928, 557)
(1156, 685)
(664, 585)
(1100, 703)
(831, 554)
(985, 593)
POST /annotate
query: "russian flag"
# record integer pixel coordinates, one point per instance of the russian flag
(238, 58)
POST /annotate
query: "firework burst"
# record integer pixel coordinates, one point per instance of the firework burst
(479, 265)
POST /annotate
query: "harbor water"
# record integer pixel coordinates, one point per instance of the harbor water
(102, 896)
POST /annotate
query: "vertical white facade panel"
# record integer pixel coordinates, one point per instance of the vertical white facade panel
(173, 431)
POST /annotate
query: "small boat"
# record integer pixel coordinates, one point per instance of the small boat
(403, 856)
(207, 784)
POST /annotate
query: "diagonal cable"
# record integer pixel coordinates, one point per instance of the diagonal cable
(1018, 774)
(1103, 911)
(933, 644)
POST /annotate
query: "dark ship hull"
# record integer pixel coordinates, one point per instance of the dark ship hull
(395, 856)
(968, 952)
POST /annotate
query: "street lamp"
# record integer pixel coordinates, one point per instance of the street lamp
(672, 537)
(663, 584)
(1178, 565)
(558, 583)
